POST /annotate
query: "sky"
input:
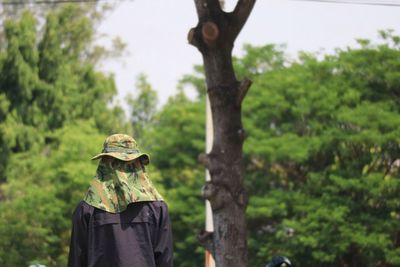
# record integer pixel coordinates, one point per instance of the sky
(156, 34)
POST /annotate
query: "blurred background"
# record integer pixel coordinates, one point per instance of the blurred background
(322, 158)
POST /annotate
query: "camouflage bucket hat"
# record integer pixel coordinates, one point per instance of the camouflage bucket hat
(122, 147)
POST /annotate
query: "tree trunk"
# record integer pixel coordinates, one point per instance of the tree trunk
(214, 36)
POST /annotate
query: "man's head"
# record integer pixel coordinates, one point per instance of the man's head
(120, 177)
(122, 147)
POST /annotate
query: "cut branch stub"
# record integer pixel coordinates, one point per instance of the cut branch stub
(208, 191)
(204, 160)
(210, 33)
(243, 89)
(191, 37)
(205, 238)
(242, 134)
(218, 195)
(242, 199)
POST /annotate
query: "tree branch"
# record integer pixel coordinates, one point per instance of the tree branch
(204, 159)
(208, 191)
(218, 195)
(191, 37)
(243, 89)
(214, 5)
(242, 134)
(205, 7)
(200, 7)
(240, 14)
(206, 240)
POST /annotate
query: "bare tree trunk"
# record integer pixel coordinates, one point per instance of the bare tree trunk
(214, 36)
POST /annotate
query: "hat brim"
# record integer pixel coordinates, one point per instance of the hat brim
(125, 156)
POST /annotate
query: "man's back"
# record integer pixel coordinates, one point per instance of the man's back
(139, 236)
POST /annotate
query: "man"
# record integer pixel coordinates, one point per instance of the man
(122, 221)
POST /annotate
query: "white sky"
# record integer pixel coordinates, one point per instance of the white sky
(155, 32)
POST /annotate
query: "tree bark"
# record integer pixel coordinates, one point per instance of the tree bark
(214, 36)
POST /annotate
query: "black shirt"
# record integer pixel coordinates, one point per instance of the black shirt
(140, 236)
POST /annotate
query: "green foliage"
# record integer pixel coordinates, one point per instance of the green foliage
(39, 200)
(143, 106)
(47, 85)
(178, 127)
(174, 141)
(195, 81)
(322, 159)
(54, 115)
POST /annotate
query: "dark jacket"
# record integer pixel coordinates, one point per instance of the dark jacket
(140, 236)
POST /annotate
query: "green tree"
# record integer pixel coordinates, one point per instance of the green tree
(54, 114)
(143, 106)
(45, 185)
(46, 85)
(322, 158)
(174, 140)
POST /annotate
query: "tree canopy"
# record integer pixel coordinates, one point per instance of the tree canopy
(323, 157)
(55, 106)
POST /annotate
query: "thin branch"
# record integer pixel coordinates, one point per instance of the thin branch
(389, 168)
